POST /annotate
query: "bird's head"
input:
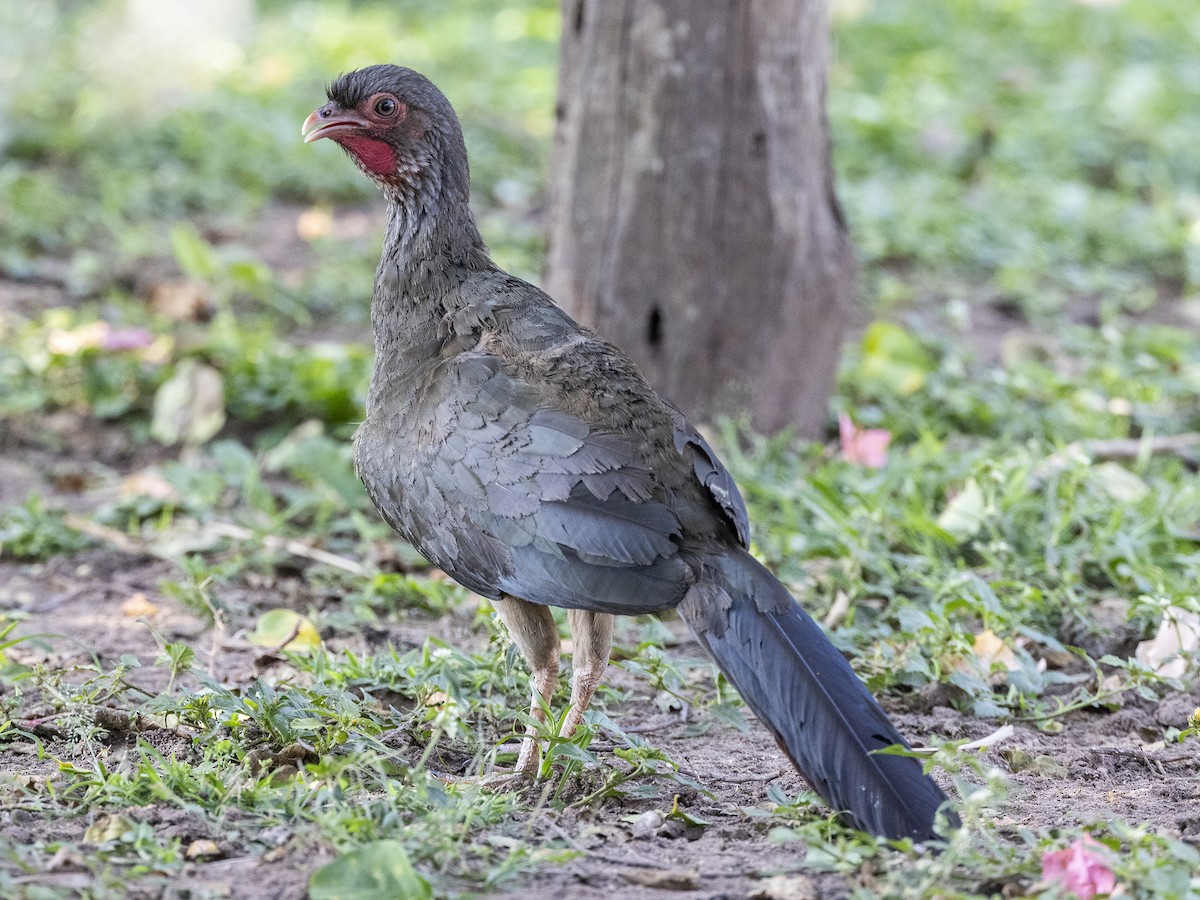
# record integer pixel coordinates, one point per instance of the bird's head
(396, 125)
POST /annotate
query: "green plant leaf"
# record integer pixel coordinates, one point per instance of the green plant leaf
(285, 629)
(963, 516)
(1119, 483)
(374, 872)
(193, 253)
(893, 359)
(190, 406)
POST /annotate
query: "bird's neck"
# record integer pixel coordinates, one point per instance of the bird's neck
(431, 247)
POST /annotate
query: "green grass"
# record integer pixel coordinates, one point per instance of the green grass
(1046, 146)
(1036, 155)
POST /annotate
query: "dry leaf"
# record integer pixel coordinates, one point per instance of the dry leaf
(285, 629)
(994, 658)
(664, 879)
(837, 611)
(138, 605)
(183, 300)
(62, 342)
(1003, 733)
(786, 887)
(107, 828)
(201, 848)
(65, 857)
(1178, 634)
(147, 483)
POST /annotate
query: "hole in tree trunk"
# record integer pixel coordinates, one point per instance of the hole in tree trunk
(578, 24)
(654, 329)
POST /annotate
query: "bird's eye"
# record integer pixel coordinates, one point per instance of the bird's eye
(385, 106)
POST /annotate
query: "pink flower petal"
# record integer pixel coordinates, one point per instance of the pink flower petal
(863, 446)
(1080, 869)
(127, 339)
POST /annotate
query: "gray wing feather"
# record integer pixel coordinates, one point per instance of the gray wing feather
(713, 475)
(513, 496)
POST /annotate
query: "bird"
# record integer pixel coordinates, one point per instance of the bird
(531, 461)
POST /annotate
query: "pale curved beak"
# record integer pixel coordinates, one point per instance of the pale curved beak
(329, 121)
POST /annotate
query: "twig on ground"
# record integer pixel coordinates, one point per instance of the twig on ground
(126, 544)
(118, 539)
(1003, 733)
(294, 547)
(747, 779)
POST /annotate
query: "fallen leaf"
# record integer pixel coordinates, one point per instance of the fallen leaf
(991, 651)
(837, 611)
(71, 342)
(202, 848)
(65, 857)
(664, 879)
(376, 870)
(138, 605)
(1042, 764)
(107, 828)
(647, 824)
(894, 359)
(863, 446)
(147, 483)
(1081, 869)
(964, 514)
(285, 629)
(1178, 635)
(1003, 733)
(1119, 483)
(993, 658)
(786, 887)
(189, 407)
(183, 300)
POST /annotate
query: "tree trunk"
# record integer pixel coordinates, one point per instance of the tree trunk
(693, 216)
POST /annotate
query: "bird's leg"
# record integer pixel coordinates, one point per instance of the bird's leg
(591, 635)
(535, 633)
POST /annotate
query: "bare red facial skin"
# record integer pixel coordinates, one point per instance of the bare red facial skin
(376, 156)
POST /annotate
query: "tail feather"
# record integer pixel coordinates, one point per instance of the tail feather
(805, 692)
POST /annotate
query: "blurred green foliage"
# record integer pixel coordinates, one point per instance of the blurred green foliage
(1046, 144)
(94, 170)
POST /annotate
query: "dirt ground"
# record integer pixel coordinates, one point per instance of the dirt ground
(1104, 764)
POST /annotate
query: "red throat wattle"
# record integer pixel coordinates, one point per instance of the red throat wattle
(376, 156)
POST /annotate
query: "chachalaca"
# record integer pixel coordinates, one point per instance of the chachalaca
(531, 461)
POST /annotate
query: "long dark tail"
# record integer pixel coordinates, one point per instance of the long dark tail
(803, 689)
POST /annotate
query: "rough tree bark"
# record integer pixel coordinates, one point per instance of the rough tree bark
(693, 216)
